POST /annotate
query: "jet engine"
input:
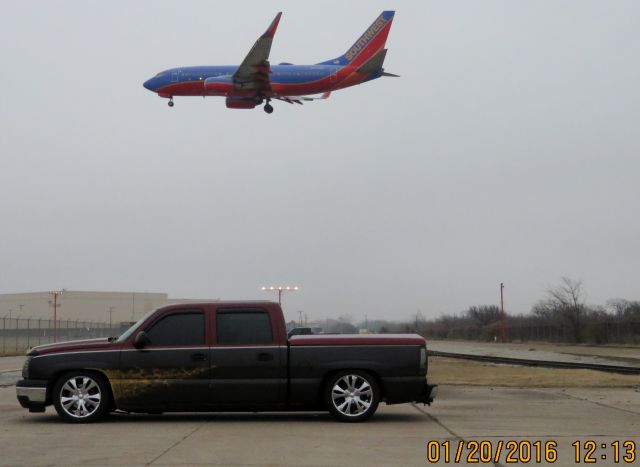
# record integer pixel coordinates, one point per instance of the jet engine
(241, 103)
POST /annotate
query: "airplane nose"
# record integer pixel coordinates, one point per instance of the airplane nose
(147, 84)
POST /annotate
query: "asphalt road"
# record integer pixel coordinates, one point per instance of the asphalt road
(396, 435)
(598, 355)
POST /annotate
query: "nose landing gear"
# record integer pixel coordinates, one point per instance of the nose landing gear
(170, 103)
(268, 107)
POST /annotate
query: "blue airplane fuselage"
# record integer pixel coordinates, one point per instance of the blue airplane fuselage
(285, 80)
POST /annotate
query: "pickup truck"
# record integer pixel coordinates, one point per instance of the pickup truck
(224, 356)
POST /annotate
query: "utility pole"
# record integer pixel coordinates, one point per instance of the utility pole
(133, 306)
(300, 313)
(55, 294)
(110, 311)
(503, 319)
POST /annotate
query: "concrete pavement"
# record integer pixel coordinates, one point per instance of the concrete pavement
(396, 435)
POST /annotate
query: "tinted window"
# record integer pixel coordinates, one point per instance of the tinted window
(178, 329)
(241, 327)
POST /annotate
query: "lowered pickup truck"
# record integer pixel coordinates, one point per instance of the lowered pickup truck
(224, 356)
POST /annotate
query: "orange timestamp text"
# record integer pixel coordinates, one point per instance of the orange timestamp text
(525, 451)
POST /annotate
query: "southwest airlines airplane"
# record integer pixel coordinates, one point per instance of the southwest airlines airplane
(255, 80)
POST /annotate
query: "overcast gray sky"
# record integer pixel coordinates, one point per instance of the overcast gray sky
(507, 151)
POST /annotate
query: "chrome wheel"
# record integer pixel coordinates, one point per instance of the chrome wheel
(80, 396)
(352, 395)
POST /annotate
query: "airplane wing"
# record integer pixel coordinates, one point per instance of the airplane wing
(299, 99)
(253, 72)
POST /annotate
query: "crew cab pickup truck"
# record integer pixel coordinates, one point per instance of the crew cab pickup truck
(224, 356)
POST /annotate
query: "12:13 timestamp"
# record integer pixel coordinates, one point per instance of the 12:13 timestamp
(590, 452)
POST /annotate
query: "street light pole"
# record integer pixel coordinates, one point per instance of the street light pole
(280, 289)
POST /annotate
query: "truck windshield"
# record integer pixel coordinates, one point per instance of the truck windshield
(133, 328)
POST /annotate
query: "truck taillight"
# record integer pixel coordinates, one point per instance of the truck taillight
(423, 357)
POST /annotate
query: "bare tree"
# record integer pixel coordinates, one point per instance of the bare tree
(484, 314)
(565, 303)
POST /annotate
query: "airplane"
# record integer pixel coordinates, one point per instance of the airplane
(255, 81)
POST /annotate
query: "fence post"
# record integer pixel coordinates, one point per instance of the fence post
(4, 337)
(28, 332)
(17, 333)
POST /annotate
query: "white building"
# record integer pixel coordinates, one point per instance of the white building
(84, 306)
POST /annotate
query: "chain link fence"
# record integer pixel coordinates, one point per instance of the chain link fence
(19, 334)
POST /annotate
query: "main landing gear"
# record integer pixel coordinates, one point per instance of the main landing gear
(268, 107)
(170, 103)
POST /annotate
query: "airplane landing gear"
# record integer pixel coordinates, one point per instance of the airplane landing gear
(268, 108)
(170, 103)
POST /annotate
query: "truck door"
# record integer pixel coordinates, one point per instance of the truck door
(248, 365)
(172, 371)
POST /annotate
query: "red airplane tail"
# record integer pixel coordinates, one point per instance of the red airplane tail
(367, 45)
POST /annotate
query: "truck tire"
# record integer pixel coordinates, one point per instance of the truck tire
(81, 396)
(352, 395)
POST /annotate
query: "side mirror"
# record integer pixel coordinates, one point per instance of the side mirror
(141, 340)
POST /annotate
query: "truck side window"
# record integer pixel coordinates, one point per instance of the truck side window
(243, 327)
(178, 329)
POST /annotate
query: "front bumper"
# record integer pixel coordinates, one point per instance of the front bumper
(32, 394)
(428, 394)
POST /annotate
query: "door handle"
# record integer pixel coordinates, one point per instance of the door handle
(265, 357)
(198, 357)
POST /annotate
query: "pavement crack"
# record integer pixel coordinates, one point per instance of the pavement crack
(174, 444)
(435, 419)
(447, 429)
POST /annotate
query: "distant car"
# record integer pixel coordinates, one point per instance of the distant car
(224, 356)
(300, 332)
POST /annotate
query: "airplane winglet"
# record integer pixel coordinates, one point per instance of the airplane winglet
(271, 30)
(326, 95)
